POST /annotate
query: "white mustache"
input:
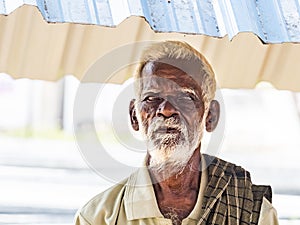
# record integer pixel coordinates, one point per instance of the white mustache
(165, 124)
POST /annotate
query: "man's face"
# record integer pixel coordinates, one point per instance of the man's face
(171, 110)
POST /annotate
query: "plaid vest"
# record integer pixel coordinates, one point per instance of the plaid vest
(230, 197)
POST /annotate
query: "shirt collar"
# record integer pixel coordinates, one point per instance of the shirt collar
(140, 201)
(139, 197)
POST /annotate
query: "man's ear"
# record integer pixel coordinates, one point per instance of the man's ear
(132, 114)
(213, 116)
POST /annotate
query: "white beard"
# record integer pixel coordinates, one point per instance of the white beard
(170, 152)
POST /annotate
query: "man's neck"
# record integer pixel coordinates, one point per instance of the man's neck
(177, 195)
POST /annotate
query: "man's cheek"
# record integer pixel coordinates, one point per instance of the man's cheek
(147, 116)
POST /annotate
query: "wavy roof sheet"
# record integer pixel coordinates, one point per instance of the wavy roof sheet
(274, 21)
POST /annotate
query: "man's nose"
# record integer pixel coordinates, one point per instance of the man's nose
(166, 109)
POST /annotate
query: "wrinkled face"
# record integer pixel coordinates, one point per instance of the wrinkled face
(171, 111)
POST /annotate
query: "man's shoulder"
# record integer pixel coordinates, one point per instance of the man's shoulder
(103, 205)
(239, 173)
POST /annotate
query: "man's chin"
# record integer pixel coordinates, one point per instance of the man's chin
(169, 163)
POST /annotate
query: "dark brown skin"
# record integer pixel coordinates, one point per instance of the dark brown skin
(164, 95)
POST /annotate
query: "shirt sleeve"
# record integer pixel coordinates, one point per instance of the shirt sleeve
(80, 220)
(268, 214)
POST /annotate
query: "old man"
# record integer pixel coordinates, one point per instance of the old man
(175, 89)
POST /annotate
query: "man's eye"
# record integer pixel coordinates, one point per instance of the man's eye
(152, 99)
(186, 98)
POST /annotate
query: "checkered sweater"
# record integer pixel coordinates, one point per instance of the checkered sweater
(230, 197)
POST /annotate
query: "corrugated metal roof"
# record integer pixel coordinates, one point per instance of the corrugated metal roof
(33, 48)
(274, 21)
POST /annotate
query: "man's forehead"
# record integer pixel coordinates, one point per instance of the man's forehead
(181, 69)
(165, 75)
(155, 82)
(159, 89)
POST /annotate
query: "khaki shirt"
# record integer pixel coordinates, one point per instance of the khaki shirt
(133, 202)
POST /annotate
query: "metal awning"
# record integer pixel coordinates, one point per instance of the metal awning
(47, 39)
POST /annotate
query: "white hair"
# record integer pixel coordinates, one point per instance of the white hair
(168, 156)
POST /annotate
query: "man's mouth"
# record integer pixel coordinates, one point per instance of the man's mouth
(168, 130)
